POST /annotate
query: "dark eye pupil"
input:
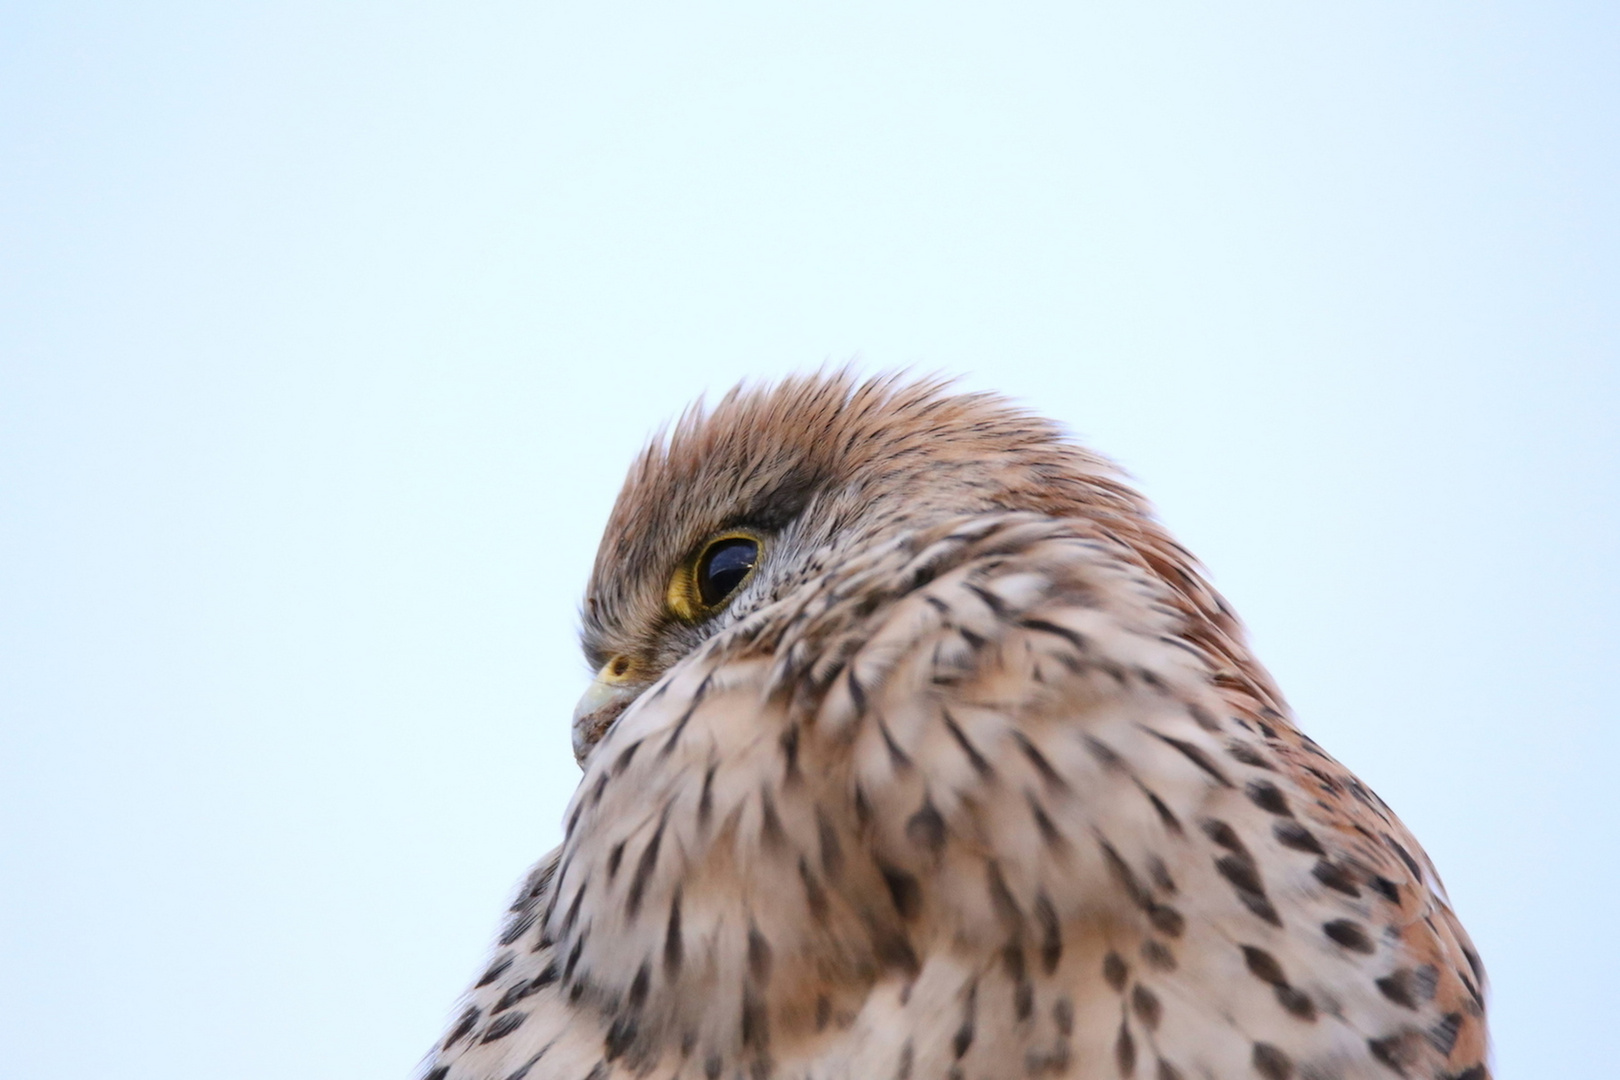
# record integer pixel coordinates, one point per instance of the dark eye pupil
(723, 568)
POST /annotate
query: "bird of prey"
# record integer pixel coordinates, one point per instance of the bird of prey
(918, 750)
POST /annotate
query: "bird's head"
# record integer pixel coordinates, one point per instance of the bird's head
(739, 505)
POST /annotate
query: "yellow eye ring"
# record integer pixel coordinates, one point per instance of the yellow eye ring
(715, 572)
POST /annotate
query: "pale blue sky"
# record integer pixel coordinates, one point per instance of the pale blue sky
(327, 332)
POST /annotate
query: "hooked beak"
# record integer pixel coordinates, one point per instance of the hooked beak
(608, 695)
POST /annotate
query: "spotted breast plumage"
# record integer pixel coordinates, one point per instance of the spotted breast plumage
(919, 750)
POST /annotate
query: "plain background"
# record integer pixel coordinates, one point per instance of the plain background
(328, 330)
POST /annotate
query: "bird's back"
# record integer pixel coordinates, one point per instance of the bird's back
(999, 798)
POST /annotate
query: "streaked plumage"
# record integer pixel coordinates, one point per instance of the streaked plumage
(974, 776)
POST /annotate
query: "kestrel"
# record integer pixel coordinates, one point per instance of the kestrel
(918, 749)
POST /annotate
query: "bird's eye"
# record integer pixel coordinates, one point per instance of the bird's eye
(713, 575)
(723, 566)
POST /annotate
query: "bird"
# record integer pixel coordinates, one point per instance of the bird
(917, 749)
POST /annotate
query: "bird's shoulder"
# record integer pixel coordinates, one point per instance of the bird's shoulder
(986, 799)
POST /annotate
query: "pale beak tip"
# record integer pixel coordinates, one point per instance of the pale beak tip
(598, 707)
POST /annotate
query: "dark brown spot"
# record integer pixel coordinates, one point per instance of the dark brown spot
(1001, 899)
(1406, 856)
(1296, 1002)
(686, 717)
(755, 1024)
(1268, 797)
(1125, 877)
(1473, 964)
(926, 829)
(1335, 877)
(1151, 678)
(495, 971)
(1410, 987)
(1043, 823)
(572, 914)
(619, 1037)
(997, 606)
(1263, 966)
(1349, 934)
(1160, 873)
(770, 825)
(823, 1012)
(1038, 759)
(1158, 956)
(1115, 970)
(1063, 1016)
(1292, 834)
(904, 891)
(1012, 959)
(522, 1071)
(1247, 754)
(815, 897)
(976, 759)
(673, 951)
(1224, 835)
(504, 1027)
(1105, 755)
(789, 744)
(1386, 888)
(1125, 1051)
(1071, 636)
(573, 958)
(1166, 817)
(706, 799)
(1394, 1051)
(1271, 1062)
(644, 869)
(626, 756)
(964, 1032)
(857, 692)
(1443, 1036)
(1145, 1004)
(637, 997)
(894, 950)
(515, 993)
(1327, 783)
(520, 925)
(1195, 755)
(832, 853)
(468, 1020)
(1166, 920)
(1051, 934)
(897, 757)
(1245, 880)
(759, 956)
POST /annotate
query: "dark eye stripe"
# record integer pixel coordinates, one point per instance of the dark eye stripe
(723, 567)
